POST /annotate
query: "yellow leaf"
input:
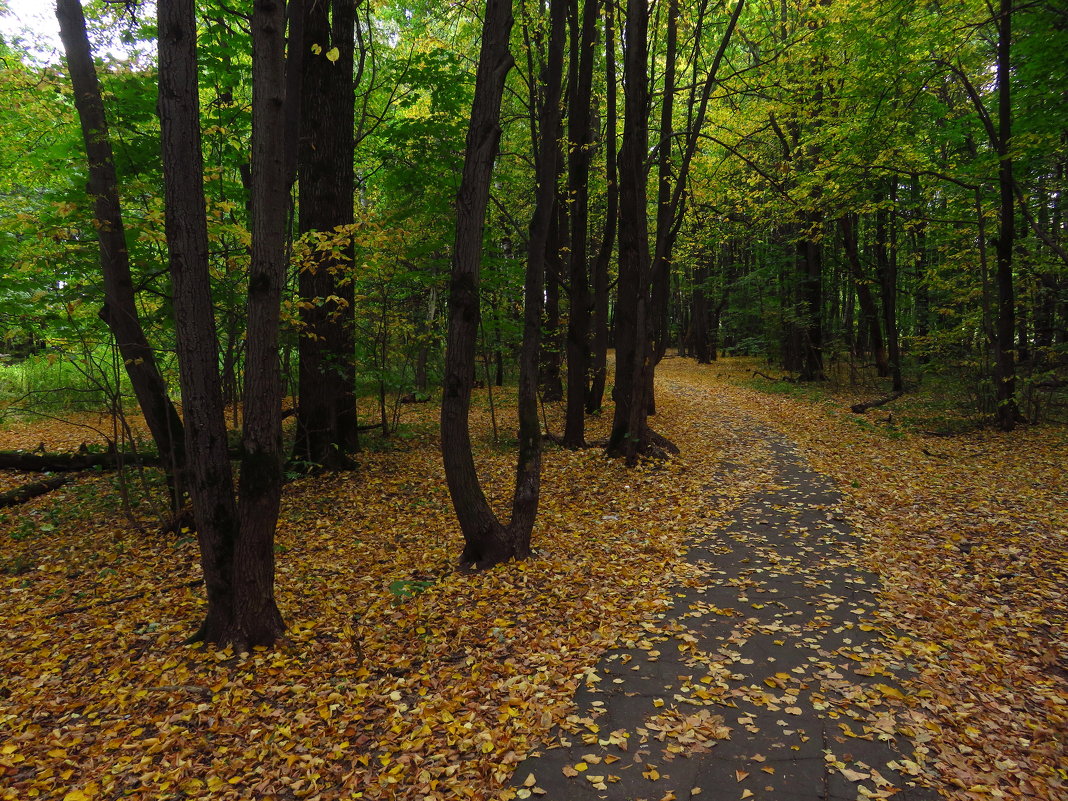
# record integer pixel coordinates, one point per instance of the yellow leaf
(890, 692)
(333, 54)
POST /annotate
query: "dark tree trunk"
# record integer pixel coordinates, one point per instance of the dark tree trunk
(665, 209)
(599, 340)
(919, 262)
(237, 547)
(886, 270)
(671, 181)
(326, 418)
(1008, 412)
(580, 149)
(256, 617)
(552, 387)
(487, 541)
(633, 335)
(871, 333)
(809, 266)
(120, 309)
(699, 316)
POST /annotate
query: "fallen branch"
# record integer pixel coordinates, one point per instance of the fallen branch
(112, 601)
(770, 378)
(860, 408)
(70, 462)
(27, 491)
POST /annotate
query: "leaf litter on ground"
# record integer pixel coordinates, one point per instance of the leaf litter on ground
(402, 678)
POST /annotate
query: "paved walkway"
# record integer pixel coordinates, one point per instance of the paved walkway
(764, 681)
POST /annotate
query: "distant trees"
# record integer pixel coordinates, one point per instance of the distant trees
(872, 194)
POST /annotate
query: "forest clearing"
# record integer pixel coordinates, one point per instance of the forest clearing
(401, 677)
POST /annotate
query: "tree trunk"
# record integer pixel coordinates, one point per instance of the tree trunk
(665, 209)
(326, 418)
(869, 315)
(487, 541)
(236, 538)
(580, 149)
(886, 270)
(809, 266)
(552, 387)
(599, 341)
(699, 315)
(120, 309)
(256, 618)
(633, 336)
(210, 486)
(1008, 412)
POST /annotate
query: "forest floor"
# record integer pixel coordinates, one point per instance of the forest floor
(401, 678)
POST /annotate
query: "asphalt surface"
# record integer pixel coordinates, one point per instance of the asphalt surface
(766, 680)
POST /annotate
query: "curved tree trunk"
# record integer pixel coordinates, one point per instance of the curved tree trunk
(487, 540)
(119, 310)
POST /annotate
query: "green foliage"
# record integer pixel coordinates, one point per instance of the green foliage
(403, 589)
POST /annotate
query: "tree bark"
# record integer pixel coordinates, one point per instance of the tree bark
(256, 616)
(28, 492)
(886, 269)
(236, 539)
(809, 265)
(120, 309)
(326, 420)
(210, 481)
(599, 340)
(487, 540)
(580, 150)
(633, 336)
(869, 314)
(1008, 412)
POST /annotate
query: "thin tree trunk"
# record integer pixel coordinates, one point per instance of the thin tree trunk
(580, 149)
(699, 316)
(552, 387)
(665, 212)
(210, 480)
(886, 270)
(599, 341)
(1008, 412)
(120, 309)
(487, 541)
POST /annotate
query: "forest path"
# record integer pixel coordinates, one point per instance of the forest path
(765, 679)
